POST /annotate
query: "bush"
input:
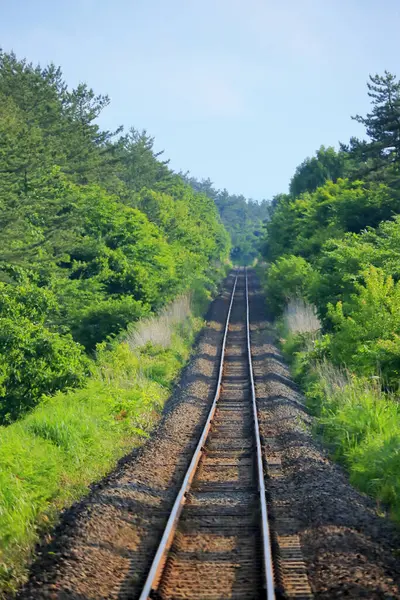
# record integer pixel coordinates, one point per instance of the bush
(288, 277)
(365, 328)
(375, 463)
(34, 361)
(106, 318)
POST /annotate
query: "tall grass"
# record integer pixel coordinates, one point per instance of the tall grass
(301, 317)
(299, 327)
(361, 424)
(355, 417)
(48, 458)
(158, 330)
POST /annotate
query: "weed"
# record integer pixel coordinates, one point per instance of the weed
(301, 317)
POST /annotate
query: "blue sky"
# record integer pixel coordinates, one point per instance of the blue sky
(240, 91)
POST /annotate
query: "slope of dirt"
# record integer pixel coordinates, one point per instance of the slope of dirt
(349, 550)
(104, 545)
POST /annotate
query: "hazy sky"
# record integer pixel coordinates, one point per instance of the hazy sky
(240, 91)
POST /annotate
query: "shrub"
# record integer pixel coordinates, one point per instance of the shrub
(202, 292)
(106, 318)
(375, 463)
(288, 277)
(34, 361)
(365, 328)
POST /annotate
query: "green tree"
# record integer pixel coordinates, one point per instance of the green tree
(302, 225)
(378, 158)
(243, 219)
(314, 172)
(366, 327)
(33, 359)
(94, 220)
(287, 278)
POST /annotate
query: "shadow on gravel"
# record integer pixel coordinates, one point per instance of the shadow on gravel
(207, 357)
(350, 551)
(66, 596)
(284, 401)
(270, 356)
(278, 377)
(78, 558)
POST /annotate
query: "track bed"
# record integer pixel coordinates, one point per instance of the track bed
(217, 549)
(327, 535)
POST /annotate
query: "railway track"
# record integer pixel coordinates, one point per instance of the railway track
(214, 547)
(216, 543)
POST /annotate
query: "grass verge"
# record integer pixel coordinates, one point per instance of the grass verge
(358, 421)
(49, 458)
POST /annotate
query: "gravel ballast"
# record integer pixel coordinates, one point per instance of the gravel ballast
(104, 545)
(348, 549)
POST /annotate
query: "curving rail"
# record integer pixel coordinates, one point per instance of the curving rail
(155, 574)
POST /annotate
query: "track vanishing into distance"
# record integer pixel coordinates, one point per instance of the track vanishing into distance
(216, 543)
(184, 515)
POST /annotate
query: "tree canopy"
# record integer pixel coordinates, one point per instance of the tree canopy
(243, 218)
(335, 239)
(96, 231)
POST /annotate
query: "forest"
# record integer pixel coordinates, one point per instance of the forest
(108, 260)
(244, 219)
(96, 232)
(333, 284)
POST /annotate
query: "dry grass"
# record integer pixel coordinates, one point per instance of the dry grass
(158, 330)
(300, 317)
(332, 378)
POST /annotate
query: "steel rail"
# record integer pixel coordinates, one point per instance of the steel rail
(170, 528)
(266, 537)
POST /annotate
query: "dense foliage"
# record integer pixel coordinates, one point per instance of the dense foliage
(49, 457)
(244, 219)
(341, 235)
(335, 242)
(101, 244)
(95, 232)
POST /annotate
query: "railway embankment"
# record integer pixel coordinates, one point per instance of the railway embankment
(328, 538)
(350, 550)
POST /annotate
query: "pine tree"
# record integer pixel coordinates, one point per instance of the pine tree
(379, 157)
(383, 123)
